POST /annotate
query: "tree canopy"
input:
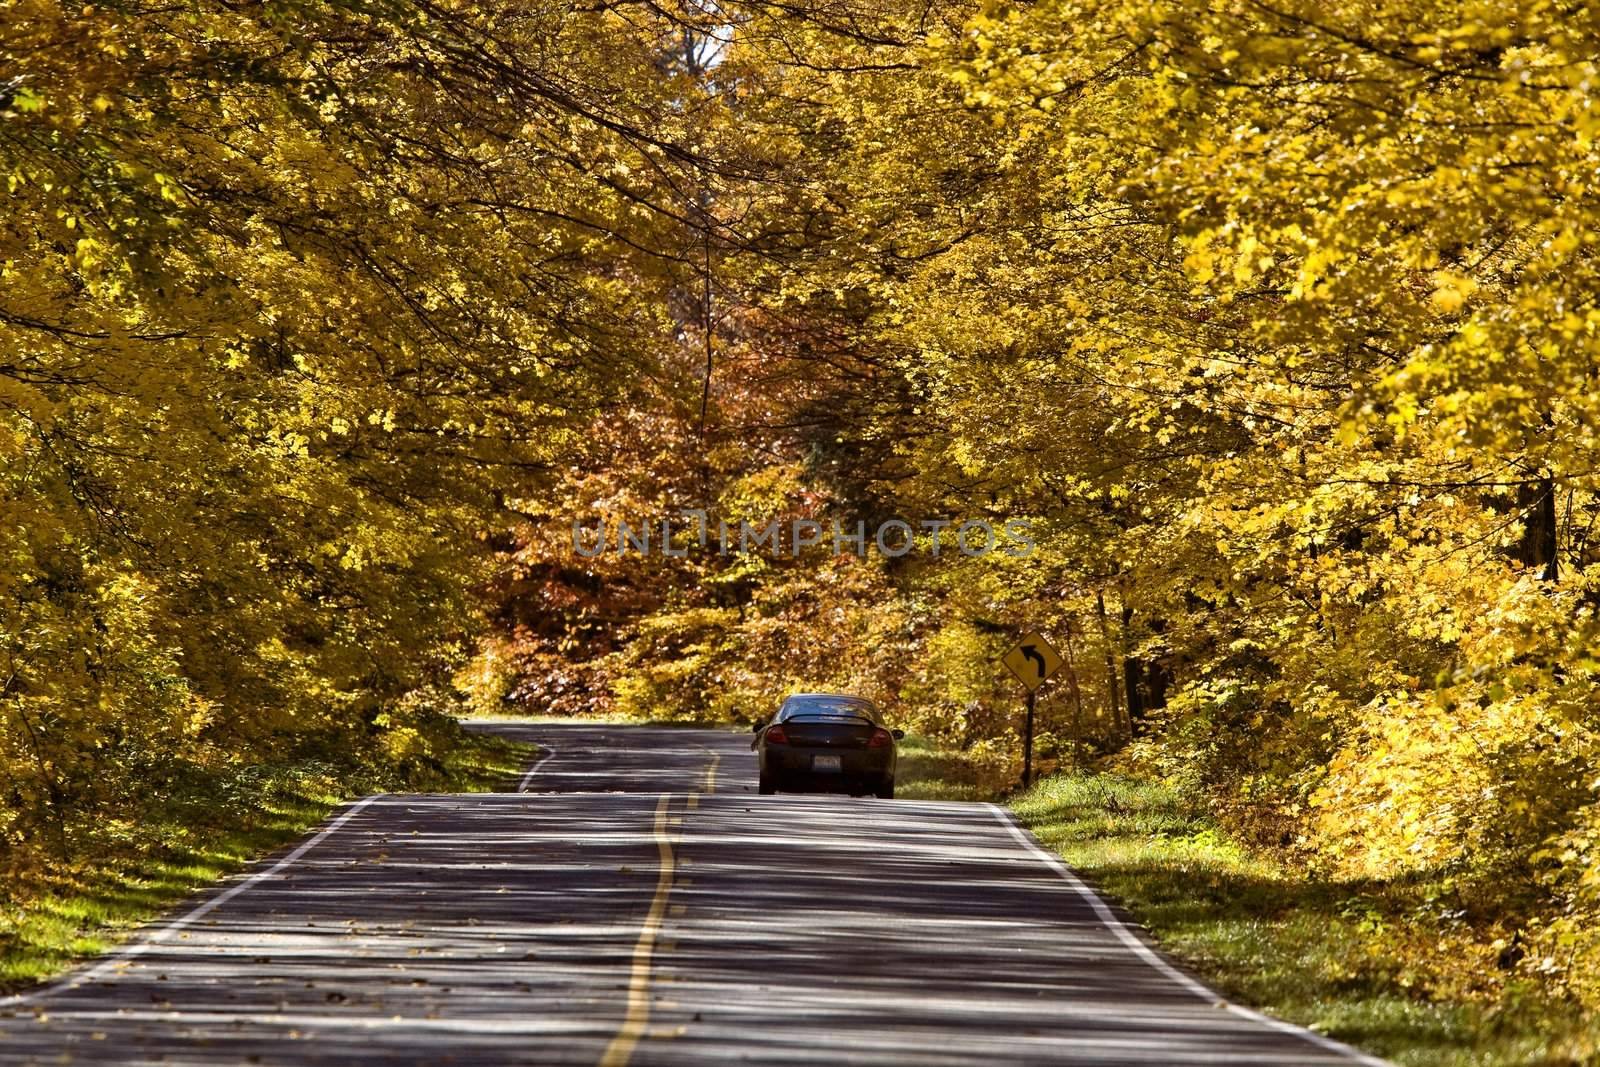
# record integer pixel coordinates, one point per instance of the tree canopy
(322, 323)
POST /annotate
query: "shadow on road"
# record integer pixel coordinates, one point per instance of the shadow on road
(509, 928)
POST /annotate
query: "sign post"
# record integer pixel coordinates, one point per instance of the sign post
(1027, 745)
(1032, 660)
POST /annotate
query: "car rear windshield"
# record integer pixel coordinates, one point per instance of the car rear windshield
(823, 708)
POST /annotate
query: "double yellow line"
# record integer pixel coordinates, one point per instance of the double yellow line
(620, 1050)
(711, 773)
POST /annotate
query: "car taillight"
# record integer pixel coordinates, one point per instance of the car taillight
(776, 736)
(879, 738)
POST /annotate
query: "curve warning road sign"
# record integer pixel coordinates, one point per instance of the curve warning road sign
(1032, 660)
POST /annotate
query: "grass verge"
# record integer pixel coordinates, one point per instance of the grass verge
(927, 772)
(1390, 967)
(1385, 966)
(124, 871)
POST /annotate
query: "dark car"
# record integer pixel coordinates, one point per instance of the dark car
(827, 743)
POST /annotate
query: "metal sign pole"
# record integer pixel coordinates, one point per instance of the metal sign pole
(1032, 660)
(1027, 745)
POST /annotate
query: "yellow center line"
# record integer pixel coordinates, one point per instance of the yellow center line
(620, 1050)
(711, 773)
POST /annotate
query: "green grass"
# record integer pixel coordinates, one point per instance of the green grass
(927, 772)
(1379, 965)
(1388, 967)
(121, 872)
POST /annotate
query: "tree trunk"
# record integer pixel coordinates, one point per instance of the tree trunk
(1119, 721)
(1156, 680)
(1132, 686)
(1077, 706)
(1536, 501)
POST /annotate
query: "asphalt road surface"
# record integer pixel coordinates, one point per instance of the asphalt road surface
(636, 902)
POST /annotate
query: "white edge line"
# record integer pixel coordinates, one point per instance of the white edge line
(549, 754)
(1150, 956)
(149, 941)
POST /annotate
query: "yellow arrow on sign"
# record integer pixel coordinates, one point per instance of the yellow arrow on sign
(1032, 660)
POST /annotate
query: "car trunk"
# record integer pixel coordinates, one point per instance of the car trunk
(831, 733)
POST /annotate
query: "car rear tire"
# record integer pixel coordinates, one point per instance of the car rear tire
(886, 789)
(766, 786)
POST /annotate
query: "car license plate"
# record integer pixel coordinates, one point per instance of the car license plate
(825, 763)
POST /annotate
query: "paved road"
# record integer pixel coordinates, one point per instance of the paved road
(639, 903)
